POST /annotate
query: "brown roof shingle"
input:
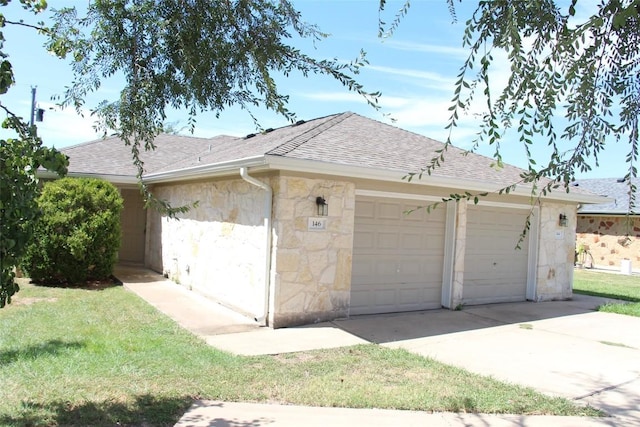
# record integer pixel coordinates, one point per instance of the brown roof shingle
(346, 139)
(110, 156)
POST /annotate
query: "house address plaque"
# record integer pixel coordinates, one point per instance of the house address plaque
(317, 224)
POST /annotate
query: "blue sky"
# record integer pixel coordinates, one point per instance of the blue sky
(415, 71)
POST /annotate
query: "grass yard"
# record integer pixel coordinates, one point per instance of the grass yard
(105, 357)
(610, 285)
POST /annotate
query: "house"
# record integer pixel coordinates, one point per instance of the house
(609, 233)
(309, 222)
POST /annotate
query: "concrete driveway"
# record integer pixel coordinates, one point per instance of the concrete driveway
(561, 348)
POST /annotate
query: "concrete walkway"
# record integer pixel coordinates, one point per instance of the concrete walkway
(560, 348)
(224, 414)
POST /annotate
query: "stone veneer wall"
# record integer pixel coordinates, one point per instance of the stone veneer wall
(555, 252)
(217, 248)
(605, 239)
(311, 270)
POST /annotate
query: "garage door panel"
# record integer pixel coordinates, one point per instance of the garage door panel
(362, 269)
(416, 214)
(385, 270)
(410, 268)
(365, 209)
(409, 296)
(389, 211)
(412, 242)
(365, 239)
(387, 240)
(489, 264)
(495, 271)
(485, 293)
(398, 265)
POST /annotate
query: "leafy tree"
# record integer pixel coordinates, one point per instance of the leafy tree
(189, 54)
(20, 158)
(77, 236)
(584, 70)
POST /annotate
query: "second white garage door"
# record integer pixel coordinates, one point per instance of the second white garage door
(397, 258)
(495, 271)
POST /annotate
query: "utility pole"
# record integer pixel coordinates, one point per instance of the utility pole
(33, 105)
(37, 114)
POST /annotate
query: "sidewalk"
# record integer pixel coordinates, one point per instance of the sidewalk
(229, 331)
(219, 414)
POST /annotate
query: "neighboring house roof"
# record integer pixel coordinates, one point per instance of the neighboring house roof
(345, 143)
(616, 189)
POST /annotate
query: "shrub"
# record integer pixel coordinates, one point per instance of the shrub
(77, 237)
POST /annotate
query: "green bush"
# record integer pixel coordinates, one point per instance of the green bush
(77, 237)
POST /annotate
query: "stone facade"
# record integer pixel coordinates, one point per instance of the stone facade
(311, 269)
(556, 245)
(608, 240)
(217, 248)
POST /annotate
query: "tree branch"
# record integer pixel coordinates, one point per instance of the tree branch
(23, 24)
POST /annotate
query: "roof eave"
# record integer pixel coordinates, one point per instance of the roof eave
(270, 162)
(607, 213)
(205, 171)
(114, 179)
(299, 165)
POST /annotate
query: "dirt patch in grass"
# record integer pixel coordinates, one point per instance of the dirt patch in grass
(294, 358)
(16, 300)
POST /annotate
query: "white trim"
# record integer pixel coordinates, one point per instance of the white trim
(395, 195)
(532, 266)
(486, 203)
(271, 162)
(471, 185)
(207, 170)
(449, 253)
(114, 179)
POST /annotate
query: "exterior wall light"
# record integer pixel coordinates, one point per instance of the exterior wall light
(562, 220)
(323, 207)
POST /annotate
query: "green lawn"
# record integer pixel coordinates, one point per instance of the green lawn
(88, 357)
(610, 285)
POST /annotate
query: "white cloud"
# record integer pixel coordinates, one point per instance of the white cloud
(457, 52)
(332, 96)
(415, 74)
(65, 127)
(60, 128)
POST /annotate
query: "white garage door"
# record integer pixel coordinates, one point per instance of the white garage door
(397, 258)
(495, 271)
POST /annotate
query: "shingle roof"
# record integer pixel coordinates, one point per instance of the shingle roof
(616, 189)
(110, 156)
(344, 139)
